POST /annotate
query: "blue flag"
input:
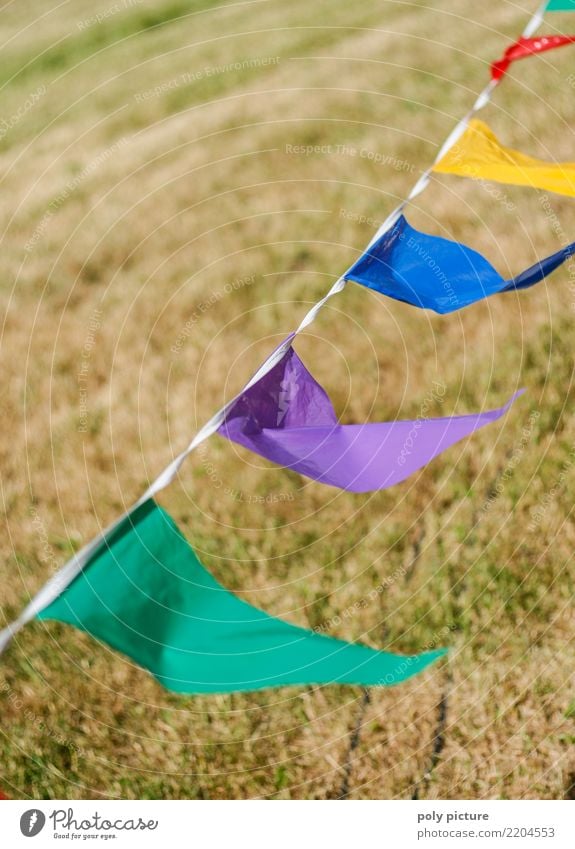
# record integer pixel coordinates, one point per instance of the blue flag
(437, 274)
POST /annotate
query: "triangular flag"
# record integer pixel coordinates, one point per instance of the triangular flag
(287, 418)
(480, 155)
(525, 47)
(437, 274)
(146, 594)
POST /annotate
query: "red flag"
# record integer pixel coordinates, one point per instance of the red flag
(527, 47)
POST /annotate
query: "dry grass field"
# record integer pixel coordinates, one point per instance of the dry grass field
(150, 159)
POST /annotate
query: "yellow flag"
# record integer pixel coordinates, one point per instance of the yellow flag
(480, 155)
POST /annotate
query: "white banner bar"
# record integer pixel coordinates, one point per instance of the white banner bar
(283, 825)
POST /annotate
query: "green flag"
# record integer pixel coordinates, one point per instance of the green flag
(560, 6)
(146, 594)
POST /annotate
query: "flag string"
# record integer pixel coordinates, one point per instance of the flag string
(59, 581)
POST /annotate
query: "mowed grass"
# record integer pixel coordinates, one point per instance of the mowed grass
(157, 163)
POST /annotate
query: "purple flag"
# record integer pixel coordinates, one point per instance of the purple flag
(288, 418)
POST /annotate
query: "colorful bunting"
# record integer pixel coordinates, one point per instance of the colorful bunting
(437, 274)
(146, 594)
(524, 47)
(287, 418)
(140, 587)
(479, 154)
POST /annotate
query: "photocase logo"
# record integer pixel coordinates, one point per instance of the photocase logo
(32, 822)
